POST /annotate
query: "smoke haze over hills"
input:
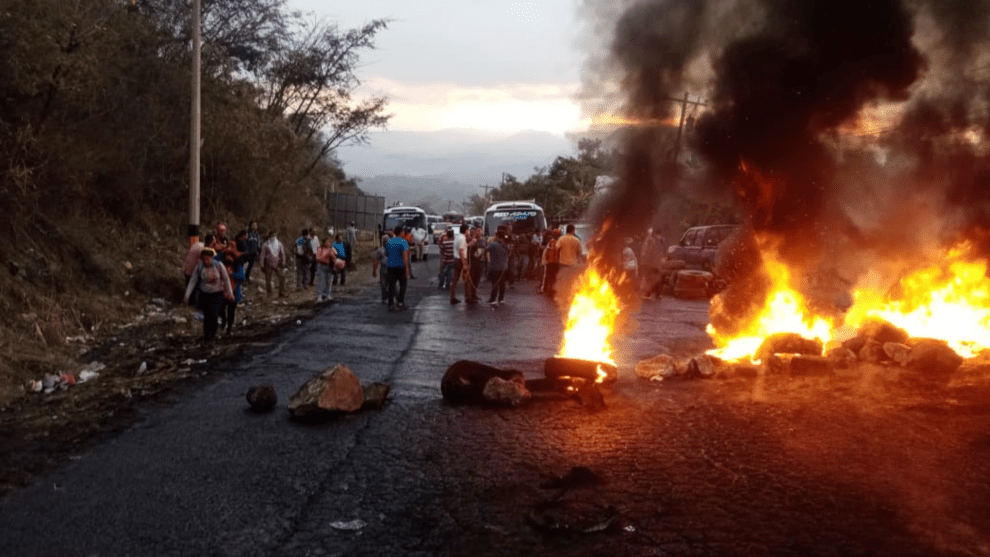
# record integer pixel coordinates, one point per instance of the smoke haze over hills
(451, 164)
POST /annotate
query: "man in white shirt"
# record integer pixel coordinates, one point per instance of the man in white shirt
(461, 267)
(419, 238)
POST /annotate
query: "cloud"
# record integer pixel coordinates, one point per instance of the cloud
(503, 108)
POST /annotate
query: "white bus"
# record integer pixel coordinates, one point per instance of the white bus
(404, 215)
(525, 217)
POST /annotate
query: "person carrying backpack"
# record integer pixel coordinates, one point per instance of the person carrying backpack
(304, 257)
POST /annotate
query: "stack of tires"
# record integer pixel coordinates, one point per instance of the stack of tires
(689, 283)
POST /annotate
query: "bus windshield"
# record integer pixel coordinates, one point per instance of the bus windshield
(406, 217)
(522, 220)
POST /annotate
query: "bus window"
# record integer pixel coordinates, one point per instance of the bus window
(405, 217)
(522, 220)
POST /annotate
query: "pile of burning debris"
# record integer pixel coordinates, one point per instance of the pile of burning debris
(876, 343)
(469, 382)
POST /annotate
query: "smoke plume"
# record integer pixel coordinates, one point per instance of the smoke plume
(839, 127)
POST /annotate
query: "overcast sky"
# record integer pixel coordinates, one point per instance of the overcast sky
(481, 64)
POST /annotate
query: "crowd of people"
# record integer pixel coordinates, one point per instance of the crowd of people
(216, 268)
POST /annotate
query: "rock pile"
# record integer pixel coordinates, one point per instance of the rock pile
(876, 343)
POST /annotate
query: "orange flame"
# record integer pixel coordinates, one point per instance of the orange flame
(784, 311)
(591, 320)
(949, 300)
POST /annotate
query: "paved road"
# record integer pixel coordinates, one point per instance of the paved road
(679, 468)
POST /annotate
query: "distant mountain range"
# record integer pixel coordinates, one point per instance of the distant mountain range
(448, 165)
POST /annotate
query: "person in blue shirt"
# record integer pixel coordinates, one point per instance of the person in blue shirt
(398, 268)
(343, 254)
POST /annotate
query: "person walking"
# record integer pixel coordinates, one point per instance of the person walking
(272, 262)
(192, 259)
(398, 269)
(477, 265)
(211, 280)
(498, 266)
(652, 256)
(460, 265)
(326, 258)
(235, 271)
(446, 260)
(407, 236)
(419, 239)
(350, 245)
(304, 255)
(253, 245)
(551, 264)
(569, 249)
(379, 267)
(314, 244)
(340, 274)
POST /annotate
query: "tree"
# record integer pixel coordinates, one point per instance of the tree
(311, 81)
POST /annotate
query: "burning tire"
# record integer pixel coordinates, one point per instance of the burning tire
(692, 284)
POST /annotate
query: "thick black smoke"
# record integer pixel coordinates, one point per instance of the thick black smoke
(810, 69)
(785, 81)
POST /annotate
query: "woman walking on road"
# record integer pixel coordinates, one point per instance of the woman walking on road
(326, 258)
(213, 283)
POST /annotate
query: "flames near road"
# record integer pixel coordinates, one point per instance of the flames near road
(851, 136)
(591, 320)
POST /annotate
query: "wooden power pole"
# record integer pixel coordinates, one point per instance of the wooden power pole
(680, 128)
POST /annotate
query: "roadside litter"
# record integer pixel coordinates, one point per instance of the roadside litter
(51, 382)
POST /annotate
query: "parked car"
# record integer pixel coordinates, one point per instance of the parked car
(699, 245)
(439, 229)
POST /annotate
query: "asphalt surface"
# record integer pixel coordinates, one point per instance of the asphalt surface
(737, 466)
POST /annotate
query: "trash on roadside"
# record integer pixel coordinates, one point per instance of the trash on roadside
(566, 516)
(349, 525)
(143, 368)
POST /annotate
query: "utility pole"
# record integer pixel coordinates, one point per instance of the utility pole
(680, 128)
(486, 188)
(193, 231)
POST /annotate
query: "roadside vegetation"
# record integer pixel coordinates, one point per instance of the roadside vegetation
(94, 131)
